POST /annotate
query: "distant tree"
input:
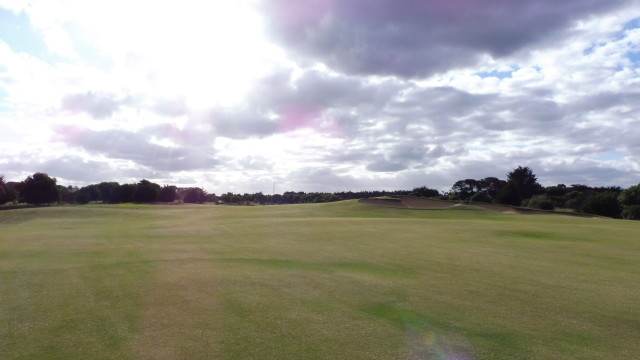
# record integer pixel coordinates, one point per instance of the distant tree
(465, 189)
(81, 197)
(3, 191)
(541, 202)
(481, 196)
(124, 193)
(424, 191)
(556, 190)
(87, 194)
(194, 195)
(604, 204)
(509, 195)
(39, 189)
(11, 191)
(66, 194)
(212, 198)
(630, 200)
(521, 184)
(168, 193)
(491, 185)
(107, 191)
(146, 191)
(525, 182)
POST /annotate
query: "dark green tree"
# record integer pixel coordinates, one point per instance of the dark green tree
(465, 189)
(124, 193)
(630, 200)
(481, 196)
(106, 191)
(146, 191)
(521, 184)
(39, 189)
(194, 195)
(3, 191)
(424, 191)
(541, 202)
(168, 193)
(491, 185)
(87, 194)
(604, 204)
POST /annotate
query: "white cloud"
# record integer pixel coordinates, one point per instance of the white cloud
(329, 100)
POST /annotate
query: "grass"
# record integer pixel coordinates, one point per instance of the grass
(315, 281)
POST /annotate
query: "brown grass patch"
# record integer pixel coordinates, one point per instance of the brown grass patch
(181, 314)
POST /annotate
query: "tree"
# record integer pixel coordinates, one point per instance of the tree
(146, 191)
(541, 202)
(491, 185)
(107, 191)
(509, 195)
(168, 193)
(630, 200)
(521, 184)
(194, 196)
(481, 196)
(3, 191)
(465, 189)
(424, 191)
(87, 194)
(39, 189)
(124, 193)
(604, 204)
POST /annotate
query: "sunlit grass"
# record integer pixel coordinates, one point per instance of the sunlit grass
(315, 281)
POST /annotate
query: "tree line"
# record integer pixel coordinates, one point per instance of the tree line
(40, 189)
(521, 188)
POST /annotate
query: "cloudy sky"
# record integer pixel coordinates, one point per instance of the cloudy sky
(320, 95)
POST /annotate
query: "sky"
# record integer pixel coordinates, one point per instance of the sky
(320, 95)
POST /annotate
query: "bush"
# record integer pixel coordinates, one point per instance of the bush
(541, 202)
(604, 204)
(631, 212)
(572, 204)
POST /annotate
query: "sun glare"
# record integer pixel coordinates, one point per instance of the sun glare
(206, 52)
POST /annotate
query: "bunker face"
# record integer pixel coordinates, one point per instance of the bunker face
(327, 281)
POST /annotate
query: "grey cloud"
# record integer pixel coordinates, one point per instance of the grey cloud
(383, 165)
(416, 37)
(98, 105)
(136, 147)
(70, 168)
(241, 123)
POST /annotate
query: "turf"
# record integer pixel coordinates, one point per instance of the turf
(317, 281)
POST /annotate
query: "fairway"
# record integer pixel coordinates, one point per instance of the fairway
(340, 280)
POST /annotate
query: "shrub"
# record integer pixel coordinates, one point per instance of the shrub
(631, 212)
(541, 202)
(604, 204)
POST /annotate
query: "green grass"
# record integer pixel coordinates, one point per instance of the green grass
(317, 281)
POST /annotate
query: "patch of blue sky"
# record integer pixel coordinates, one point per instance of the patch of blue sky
(16, 31)
(634, 57)
(632, 24)
(629, 25)
(611, 155)
(87, 48)
(480, 148)
(496, 74)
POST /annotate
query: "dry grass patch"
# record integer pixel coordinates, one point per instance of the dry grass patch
(181, 314)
